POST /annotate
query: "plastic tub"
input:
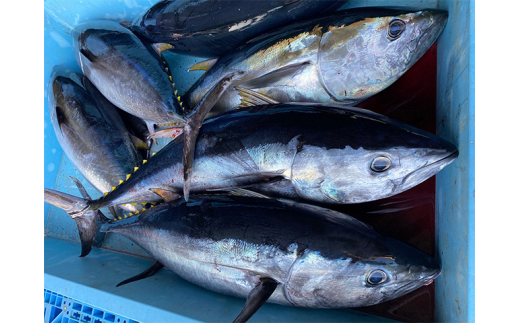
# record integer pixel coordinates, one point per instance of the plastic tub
(165, 296)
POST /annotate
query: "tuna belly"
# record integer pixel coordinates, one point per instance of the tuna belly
(219, 278)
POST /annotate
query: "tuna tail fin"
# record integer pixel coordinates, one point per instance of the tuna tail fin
(76, 207)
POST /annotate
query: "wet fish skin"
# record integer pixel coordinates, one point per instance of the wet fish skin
(319, 258)
(89, 130)
(126, 72)
(210, 28)
(341, 58)
(325, 152)
(322, 154)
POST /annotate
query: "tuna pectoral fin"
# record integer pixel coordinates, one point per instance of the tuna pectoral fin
(249, 98)
(147, 273)
(166, 195)
(256, 298)
(194, 122)
(86, 220)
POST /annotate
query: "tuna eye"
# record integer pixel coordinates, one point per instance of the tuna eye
(396, 28)
(376, 277)
(380, 164)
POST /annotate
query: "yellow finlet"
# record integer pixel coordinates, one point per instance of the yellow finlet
(106, 193)
(133, 204)
(126, 216)
(175, 92)
(179, 98)
(171, 78)
(144, 161)
(121, 182)
(173, 85)
(153, 154)
(127, 176)
(113, 188)
(131, 214)
(136, 212)
(119, 218)
(136, 168)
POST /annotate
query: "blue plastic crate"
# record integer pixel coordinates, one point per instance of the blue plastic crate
(62, 309)
(166, 297)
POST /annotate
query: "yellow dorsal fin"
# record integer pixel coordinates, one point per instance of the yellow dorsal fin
(161, 47)
(204, 65)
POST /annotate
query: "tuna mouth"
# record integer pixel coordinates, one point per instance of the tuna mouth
(428, 170)
(428, 279)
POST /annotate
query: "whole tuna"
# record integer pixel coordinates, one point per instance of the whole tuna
(210, 28)
(129, 74)
(342, 58)
(321, 153)
(278, 251)
(94, 138)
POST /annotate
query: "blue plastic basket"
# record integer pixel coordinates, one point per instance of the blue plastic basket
(62, 309)
(166, 297)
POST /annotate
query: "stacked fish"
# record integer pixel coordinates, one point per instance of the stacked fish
(268, 132)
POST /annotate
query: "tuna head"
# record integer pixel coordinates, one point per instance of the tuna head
(394, 270)
(372, 157)
(359, 59)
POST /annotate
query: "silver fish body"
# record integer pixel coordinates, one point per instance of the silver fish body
(323, 154)
(319, 258)
(90, 130)
(126, 72)
(341, 58)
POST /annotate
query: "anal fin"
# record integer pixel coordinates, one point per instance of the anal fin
(167, 133)
(256, 298)
(147, 273)
(138, 143)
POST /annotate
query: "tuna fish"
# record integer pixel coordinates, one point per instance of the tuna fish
(91, 133)
(321, 154)
(210, 28)
(278, 251)
(129, 74)
(344, 58)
